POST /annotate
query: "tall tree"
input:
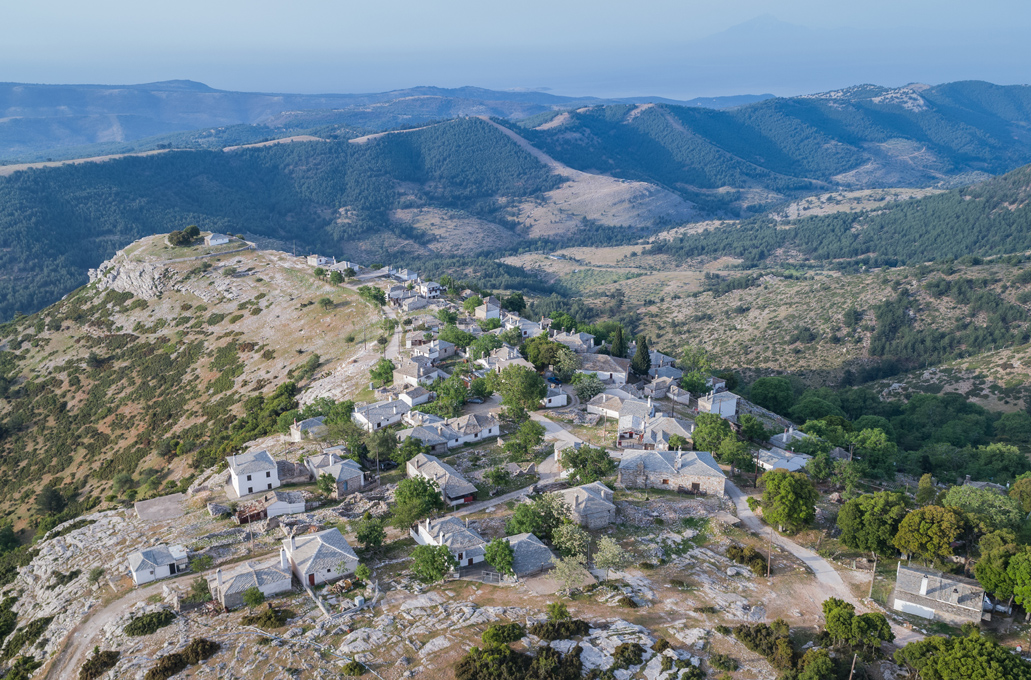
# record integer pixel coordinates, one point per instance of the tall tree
(930, 531)
(499, 554)
(987, 510)
(539, 517)
(925, 490)
(789, 499)
(619, 345)
(642, 360)
(870, 522)
(431, 563)
(709, 432)
(773, 393)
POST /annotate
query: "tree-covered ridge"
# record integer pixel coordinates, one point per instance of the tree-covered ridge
(56, 223)
(786, 145)
(991, 218)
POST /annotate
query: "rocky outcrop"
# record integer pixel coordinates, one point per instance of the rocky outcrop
(142, 279)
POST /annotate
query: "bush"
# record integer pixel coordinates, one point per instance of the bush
(748, 556)
(269, 619)
(560, 630)
(167, 666)
(352, 669)
(26, 636)
(200, 649)
(502, 634)
(98, 664)
(722, 662)
(661, 645)
(628, 654)
(149, 623)
(627, 601)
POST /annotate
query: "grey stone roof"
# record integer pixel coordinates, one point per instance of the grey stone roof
(453, 533)
(310, 423)
(156, 556)
(382, 409)
(673, 463)
(588, 499)
(636, 407)
(416, 392)
(942, 589)
(251, 462)
(291, 497)
(250, 574)
(447, 478)
(575, 341)
(777, 457)
(609, 402)
(529, 553)
(430, 435)
(664, 425)
(605, 363)
(472, 423)
(320, 551)
(667, 372)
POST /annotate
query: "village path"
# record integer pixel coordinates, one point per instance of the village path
(80, 640)
(826, 575)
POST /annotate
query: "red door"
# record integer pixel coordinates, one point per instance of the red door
(311, 579)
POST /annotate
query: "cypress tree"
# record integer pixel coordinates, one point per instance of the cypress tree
(642, 360)
(618, 343)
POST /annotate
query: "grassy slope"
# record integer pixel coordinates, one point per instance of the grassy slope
(176, 367)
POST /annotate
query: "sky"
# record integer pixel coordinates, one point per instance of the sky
(672, 48)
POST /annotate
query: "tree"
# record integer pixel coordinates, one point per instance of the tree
(456, 336)
(751, 427)
(930, 531)
(732, 452)
(484, 345)
(587, 386)
(524, 442)
(363, 573)
(774, 394)
(873, 449)
(610, 554)
(642, 360)
(847, 475)
(336, 278)
(410, 448)
(179, 238)
(997, 548)
(514, 303)
(542, 352)
(813, 408)
(572, 540)
(431, 563)
(821, 467)
(369, 531)
(962, 657)
(447, 316)
(567, 365)
(511, 336)
(870, 522)
(471, 303)
(986, 509)
(540, 516)
(415, 498)
(193, 231)
(319, 272)
(1021, 492)
(619, 345)
(383, 371)
(253, 597)
(382, 445)
(926, 491)
(709, 431)
(50, 501)
(497, 476)
(694, 382)
(487, 325)
(587, 464)
(789, 499)
(326, 484)
(520, 386)
(569, 571)
(558, 611)
(499, 554)
(350, 273)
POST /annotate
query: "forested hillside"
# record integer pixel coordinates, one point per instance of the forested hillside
(57, 223)
(991, 218)
(746, 158)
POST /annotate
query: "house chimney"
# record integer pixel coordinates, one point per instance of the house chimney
(293, 543)
(649, 403)
(923, 585)
(218, 578)
(283, 561)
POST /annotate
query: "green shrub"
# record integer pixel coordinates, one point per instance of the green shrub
(98, 664)
(560, 630)
(722, 662)
(628, 654)
(748, 556)
(502, 634)
(269, 618)
(167, 666)
(661, 645)
(353, 669)
(199, 650)
(149, 623)
(627, 601)
(26, 636)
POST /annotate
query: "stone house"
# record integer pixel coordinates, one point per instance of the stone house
(581, 343)
(380, 414)
(464, 543)
(937, 596)
(435, 350)
(455, 489)
(430, 289)
(321, 261)
(658, 388)
(416, 396)
(529, 555)
(490, 309)
(609, 369)
(321, 557)
(216, 239)
(347, 475)
(417, 371)
(777, 458)
(310, 428)
(157, 562)
(555, 398)
(674, 374)
(271, 577)
(687, 471)
(723, 404)
(253, 472)
(590, 505)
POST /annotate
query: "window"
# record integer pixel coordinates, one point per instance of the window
(248, 478)
(270, 485)
(250, 489)
(665, 481)
(268, 474)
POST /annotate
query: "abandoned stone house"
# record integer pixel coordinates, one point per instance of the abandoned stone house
(687, 471)
(590, 505)
(937, 596)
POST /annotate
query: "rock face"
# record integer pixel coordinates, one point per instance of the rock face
(143, 280)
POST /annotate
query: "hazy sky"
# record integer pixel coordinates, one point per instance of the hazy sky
(675, 48)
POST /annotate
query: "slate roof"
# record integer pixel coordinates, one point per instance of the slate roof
(382, 409)
(250, 575)
(529, 553)
(575, 341)
(334, 466)
(698, 463)
(609, 402)
(636, 407)
(156, 556)
(471, 423)
(253, 461)
(453, 533)
(291, 497)
(588, 499)
(310, 423)
(430, 435)
(605, 363)
(447, 478)
(779, 458)
(941, 588)
(667, 372)
(320, 551)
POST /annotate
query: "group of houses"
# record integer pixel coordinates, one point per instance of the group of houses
(257, 472)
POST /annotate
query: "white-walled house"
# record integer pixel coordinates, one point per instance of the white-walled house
(253, 472)
(723, 404)
(430, 289)
(271, 577)
(455, 488)
(279, 503)
(609, 369)
(465, 544)
(321, 557)
(380, 414)
(555, 398)
(416, 396)
(777, 458)
(321, 261)
(160, 561)
(216, 240)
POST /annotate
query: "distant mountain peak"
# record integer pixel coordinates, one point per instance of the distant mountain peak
(173, 85)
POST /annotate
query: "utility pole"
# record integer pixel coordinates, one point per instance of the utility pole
(854, 655)
(769, 558)
(873, 577)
